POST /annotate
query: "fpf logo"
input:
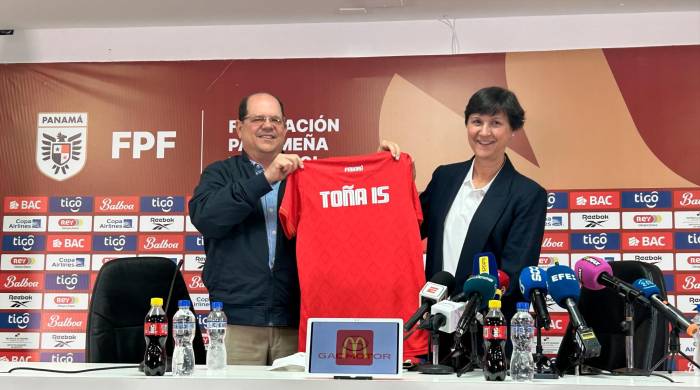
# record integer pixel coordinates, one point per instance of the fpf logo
(600, 200)
(354, 347)
(163, 204)
(646, 199)
(70, 204)
(557, 201)
(656, 240)
(25, 204)
(23, 242)
(61, 144)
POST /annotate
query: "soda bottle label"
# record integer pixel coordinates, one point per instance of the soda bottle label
(494, 332)
(155, 329)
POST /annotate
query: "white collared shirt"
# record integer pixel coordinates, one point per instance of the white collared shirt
(459, 218)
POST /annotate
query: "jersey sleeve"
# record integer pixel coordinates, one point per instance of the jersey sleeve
(290, 206)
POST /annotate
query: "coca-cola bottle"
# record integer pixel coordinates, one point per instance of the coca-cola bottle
(494, 343)
(155, 330)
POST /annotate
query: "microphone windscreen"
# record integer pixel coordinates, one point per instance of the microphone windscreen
(485, 263)
(446, 279)
(589, 269)
(503, 281)
(562, 284)
(482, 284)
(646, 287)
(532, 278)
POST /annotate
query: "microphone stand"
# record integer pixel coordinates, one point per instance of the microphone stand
(674, 347)
(473, 360)
(628, 328)
(433, 324)
(542, 363)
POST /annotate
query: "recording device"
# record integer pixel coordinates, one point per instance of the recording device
(564, 289)
(436, 290)
(596, 274)
(478, 290)
(533, 286)
(652, 292)
(446, 315)
(485, 263)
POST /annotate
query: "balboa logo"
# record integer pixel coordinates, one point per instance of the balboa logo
(688, 283)
(687, 199)
(163, 204)
(194, 243)
(160, 243)
(600, 241)
(67, 282)
(116, 204)
(555, 241)
(25, 204)
(687, 240)
(61, 141)
(65, 322)
(21, 321)
(594, 200)
(557, 201)
(195, 282)
(26, 243)
(15, 223)
(647, 240)
(26, 282)
(70, 204)
(646, 199)
(118, 243)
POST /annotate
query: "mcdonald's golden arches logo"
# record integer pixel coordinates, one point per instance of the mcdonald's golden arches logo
(354, 347)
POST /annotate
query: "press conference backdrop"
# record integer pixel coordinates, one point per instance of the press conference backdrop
(98, 160)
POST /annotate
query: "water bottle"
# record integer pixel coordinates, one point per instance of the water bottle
(216, 329)
(522, 366)
(494, 343)
(696, 355)
(183, 334)
(155, 331)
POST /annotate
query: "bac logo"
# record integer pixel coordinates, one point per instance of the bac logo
(194, 243)
(163, 204)
(656, 240)
(18, 357)
(688, 240)
(646, 199)
(599, 200)
(555, 241)
(70, 204)
(25, 204)
(114, 243)
(23, 243)
(687, 199)
(354, 347)
(68, 242)
(595, 241)
(557, 201)
(558, 324)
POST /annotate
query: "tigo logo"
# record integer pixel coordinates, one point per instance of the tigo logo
(114, 243)
(646, 199)
(63, 357)
(557, 201)
(597, 241)
(67, 282)
(70, 204)
(23, 242)
(687, 240)
(163, 204)
(19, 320)
(194, 243)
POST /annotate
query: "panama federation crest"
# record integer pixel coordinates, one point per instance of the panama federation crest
(61, 144)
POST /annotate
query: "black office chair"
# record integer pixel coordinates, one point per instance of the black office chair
(120, 300)
(604, 311)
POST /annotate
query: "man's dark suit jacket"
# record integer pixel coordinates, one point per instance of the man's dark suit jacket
(509, 222)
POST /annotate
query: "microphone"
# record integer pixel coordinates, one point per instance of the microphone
(534, 288)
(446, 315)
(503, 281)
(478, 290)
(437, 289)
(596, 274)
(485, 263)
(564, 289)
(652, 292)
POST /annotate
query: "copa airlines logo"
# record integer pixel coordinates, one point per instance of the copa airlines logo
(549, 259)
(162, 223)
(687, 282)
(651, 240)
(194, 243)
(195, 262)
(113, 223)
(595, 241)
(600, 200)
(556, 221)
(200, 302)
(22, 262)
(20, 301)
(687, 199)
(61, 148)
(354, 347)
(70, 204)
(687, 219)
(67, 282)
(66, 301)
(19, 340)
(116, 204)
(646, 199)
(349, 196)
(595, 221)
(647, 220)
(68, 242)
(19, 320)
(662, 260)
(161, 243)
(22, 281)
(114, 243)
(64, 322)
(68, 262)
(17, 223)
(688, 240)
(78, 223)
(557, 201)
(63, 341)
(62, 357)
(25, 204)
(23, 243)
(555, 241)
(163, 204)
(688, 261)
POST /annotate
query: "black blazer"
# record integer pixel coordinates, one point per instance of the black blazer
(509, 221)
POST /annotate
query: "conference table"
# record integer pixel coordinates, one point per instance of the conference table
(260, 378)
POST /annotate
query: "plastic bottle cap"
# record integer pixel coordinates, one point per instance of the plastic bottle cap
(156, 301)
(217, 305)
(494, 304)
(183, 303)
(523, 306)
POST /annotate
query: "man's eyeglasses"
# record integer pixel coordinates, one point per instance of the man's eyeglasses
(260, 119)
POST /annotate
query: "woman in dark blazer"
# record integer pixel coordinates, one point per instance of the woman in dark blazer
(484, 204)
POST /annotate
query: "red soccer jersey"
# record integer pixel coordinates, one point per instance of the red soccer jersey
(359, 251)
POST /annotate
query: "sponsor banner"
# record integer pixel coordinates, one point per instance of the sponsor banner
(549, 259)
(195, 262)
(558, 324)
(200, 302)
(23, 243)
(20, 301)
(202, 320)
(24, 223)
(555, 242)
(18, 356)
(606, 241)
(162, 223)
(687, 303)
(23, 320)
(550, 345)
(63, 357)
(25, 204)
(686, 219)
(163, 204)
(189, 227)
(687, 345)
(63, 341)
(683, 365)
(662, 260)
(22, 262)
(66, 301)
(19, 340)
(669, 282)
(68, 242)
(161, 243)
(647, 220)
(115, 223)
(688, 240)
(114, 242)
(194, 282)
(556, 221)
(70, 204)
(116, 204)
(21, 281)
(575, 257)
(594, 200)
(686, 199)
(77, 262)
(557, 201)
(687, 283)
(175, 258)
(688, 261)
(64, 321)
(595, 221)
(647, 240)
(73, 281)
(646, 199)
(194, 243)
(552, 306)
(99, 260)
(70, 223)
